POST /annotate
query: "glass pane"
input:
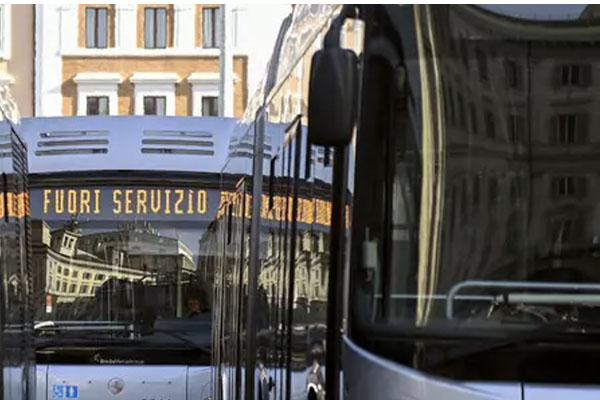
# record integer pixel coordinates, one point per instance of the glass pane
(217, 25)
(149, 28)
(161, 27)
(92, 106)
(161, 106)
(149, 106)
(208, 27)
(101, 34)
(1, 26)
(210, 106)
(103, 106)
(90, 27)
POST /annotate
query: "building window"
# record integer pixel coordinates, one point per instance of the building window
(570, 129)
(210, 106)
(516, 128)
(155, 105)
(87, 275)
(57, 285)
(564, 186)
(75, 274)
(66, 271)
(512, 74)
(96, 33)
(72, 288)
(476, 189)
(516, 189)
(561, 231)
(571, 75)
(99, 277)
(482, 65)
(493, 191)
(464, 52)
(97, 105)
(209, 27)
(64, 287)
(84, 289)
(155, 28)
(566, 128)
(2, 28)
(473, 119)
(490, 125)
(462, 118)
(5, 30)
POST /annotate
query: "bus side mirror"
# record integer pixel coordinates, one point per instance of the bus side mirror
(332, 96)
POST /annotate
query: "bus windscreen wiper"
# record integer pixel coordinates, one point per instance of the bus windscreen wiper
(181, 338)
(563, 330)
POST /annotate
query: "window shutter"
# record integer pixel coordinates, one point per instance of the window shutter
(90, 31)
(519, 80)
(553, 129)
(218, 27)
(586, 75)
(581, 187)
(582, 128)
(556, 77)
(554, 182)
(522, 133)
(507, 72)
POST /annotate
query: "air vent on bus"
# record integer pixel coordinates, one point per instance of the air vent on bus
(197, 143)
(70, 134)
(178, 151)
(5, 146)
(59, 143)
(64, 152)
(195, 134)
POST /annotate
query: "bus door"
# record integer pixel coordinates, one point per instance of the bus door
(232, 291)
(236, 238)
(274, 271)
(293, 150)
(218, 287)
(270, 356)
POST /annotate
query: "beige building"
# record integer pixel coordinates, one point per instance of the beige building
(147, 59)
(17, 54)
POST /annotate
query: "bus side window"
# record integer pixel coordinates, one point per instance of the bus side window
(271, 181)
(307, 159)
(229, 222)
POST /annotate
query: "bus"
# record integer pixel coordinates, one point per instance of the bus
(452, 148)
(121, 294)
(17, 356)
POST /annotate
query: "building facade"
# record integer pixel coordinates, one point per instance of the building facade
(17, 54)
(142, 59)
(70, 265)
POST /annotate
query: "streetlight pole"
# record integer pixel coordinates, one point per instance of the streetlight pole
(179, 289)
(225, 64)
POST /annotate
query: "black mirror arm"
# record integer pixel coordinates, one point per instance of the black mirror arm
(332, 38)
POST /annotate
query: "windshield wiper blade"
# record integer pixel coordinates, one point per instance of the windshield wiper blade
(560, 330)
(181, 339)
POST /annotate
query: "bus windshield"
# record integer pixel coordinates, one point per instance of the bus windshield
(120, 251)
(489, 221)
(116, 266)
(120, 261)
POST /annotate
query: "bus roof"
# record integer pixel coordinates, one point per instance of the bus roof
(152, 143)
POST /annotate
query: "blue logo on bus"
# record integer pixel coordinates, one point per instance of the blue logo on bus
(65, 392)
